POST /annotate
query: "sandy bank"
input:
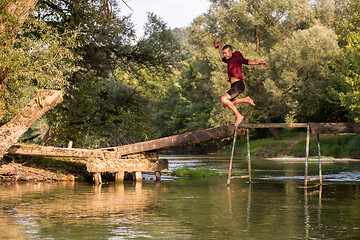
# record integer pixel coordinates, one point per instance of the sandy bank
(290, 159)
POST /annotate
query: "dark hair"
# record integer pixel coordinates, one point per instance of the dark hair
(227, 46)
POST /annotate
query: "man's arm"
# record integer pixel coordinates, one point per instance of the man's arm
(262, 63)
(221, 51)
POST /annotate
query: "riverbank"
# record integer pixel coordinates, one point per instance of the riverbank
(323, 160)
(293, 143)
(38, 169)
(343, 148)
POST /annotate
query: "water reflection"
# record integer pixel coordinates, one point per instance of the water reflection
(248, 205)
(185, 208)
(311, 192)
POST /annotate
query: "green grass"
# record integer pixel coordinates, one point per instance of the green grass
(198, 172)
(338, 146)
(266, 147)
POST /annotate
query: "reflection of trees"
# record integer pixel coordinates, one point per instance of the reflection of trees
(185, 208)
(9, 228)
(65, 200)
(45, 205)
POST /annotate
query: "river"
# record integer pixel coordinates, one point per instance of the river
(274, 206)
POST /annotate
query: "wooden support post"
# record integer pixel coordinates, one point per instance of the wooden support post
(232, 156)
(70, 144)
(158, 175)
(97, 178)
(248, 153)
(319, 154)
(307, 155)
(119, 177)
(138, 177)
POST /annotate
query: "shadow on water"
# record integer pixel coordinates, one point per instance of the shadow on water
(274, 206)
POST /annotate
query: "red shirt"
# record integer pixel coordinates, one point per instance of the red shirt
(234, 65)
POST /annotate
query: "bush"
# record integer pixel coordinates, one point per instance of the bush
(344, 146)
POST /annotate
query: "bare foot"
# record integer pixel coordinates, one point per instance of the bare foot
(250, 101)
(238, 120)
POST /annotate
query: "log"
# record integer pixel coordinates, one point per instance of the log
(195, 137)
(43, 101)
(335, 127)
(44, 151)
(175, 141)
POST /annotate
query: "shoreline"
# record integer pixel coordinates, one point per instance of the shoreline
(302, 159)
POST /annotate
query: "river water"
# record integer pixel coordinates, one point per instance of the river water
(273, 206)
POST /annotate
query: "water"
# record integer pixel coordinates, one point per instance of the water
(274, 206)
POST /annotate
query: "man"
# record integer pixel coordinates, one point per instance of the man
(234, 61)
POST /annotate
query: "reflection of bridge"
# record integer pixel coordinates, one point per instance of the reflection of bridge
(143, 156)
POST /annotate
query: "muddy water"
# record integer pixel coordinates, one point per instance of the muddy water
(274, 206)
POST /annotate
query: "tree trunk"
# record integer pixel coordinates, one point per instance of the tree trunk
(43, 101)
(274, 131)
(19, 10)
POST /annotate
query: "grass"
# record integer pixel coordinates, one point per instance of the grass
(198, 172)
(338, 146)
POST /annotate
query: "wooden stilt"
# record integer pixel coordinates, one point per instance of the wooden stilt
(119, 177)
(158, 175)
(307, 155)
(232, 156)
(319, 154)
(248, 153)
(138, 177)
(97, 178)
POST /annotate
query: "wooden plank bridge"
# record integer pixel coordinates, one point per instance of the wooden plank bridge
(143, 156)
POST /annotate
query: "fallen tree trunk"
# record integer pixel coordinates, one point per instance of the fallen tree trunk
(43, 101)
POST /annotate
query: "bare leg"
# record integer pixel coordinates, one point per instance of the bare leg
(244, 100)
(241, 100)
(226, 101)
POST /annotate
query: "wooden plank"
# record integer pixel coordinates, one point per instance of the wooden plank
(313, 179)
(175, 141)
(36, 150)
(273, 125)
(335, 127)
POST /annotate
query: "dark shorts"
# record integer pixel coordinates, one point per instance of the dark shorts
(236, 88)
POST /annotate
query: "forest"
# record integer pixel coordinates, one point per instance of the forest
(120, 88)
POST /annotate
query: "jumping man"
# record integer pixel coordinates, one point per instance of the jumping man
(234, 61)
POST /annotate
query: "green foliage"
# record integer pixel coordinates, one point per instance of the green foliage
(110, 100)
(196, 173)
(40, 58)
(120, 90)
(346, 67)
(346, 146)
(186, 106)
(296, 40)
(299, 79)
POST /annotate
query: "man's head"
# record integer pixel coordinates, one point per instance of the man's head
(227, 50)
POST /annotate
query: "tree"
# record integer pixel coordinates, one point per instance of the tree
(345, 68)
(13, 15)
(124, 78)
(280, 32)
(298, 77)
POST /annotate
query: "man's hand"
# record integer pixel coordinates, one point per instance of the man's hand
(262, 63)
(217, 42)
